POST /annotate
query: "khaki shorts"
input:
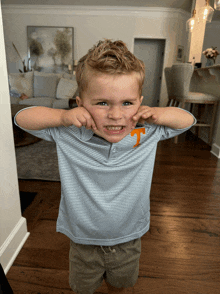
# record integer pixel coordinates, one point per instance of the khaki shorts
(90, 264)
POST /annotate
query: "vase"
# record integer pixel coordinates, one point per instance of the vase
(210, 62)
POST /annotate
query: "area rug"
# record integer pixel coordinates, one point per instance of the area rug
(38, 161)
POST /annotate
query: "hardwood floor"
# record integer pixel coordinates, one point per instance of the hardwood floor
(180, 253)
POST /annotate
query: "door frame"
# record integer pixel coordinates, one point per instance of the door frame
(163, 82)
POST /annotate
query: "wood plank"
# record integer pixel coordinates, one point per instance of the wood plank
(41, 280)
(181, 251)
(150, 285)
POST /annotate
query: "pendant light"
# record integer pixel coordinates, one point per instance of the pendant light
(205, 13)
(191, 22)
(217, 4)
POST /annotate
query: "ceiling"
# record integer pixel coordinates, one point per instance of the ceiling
(179, 4)
(183, 4)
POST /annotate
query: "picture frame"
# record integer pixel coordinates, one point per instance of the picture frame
(50, 49)
(180, 53)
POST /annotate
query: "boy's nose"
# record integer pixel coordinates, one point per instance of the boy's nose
(115, 113)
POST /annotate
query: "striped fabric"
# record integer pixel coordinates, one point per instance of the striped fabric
(105, 187)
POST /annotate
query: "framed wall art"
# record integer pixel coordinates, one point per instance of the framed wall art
(180, 53)
(50, 49)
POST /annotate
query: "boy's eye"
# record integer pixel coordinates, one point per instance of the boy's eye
(126, 103)
(102, 103)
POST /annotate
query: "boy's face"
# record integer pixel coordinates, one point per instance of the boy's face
(112, 101)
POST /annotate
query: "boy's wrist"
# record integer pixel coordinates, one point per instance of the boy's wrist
(64, 118)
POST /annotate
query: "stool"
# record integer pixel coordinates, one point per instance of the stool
(178, 79)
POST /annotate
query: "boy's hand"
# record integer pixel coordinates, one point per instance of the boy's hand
(78, 117)
(146, 114)
(172, 117)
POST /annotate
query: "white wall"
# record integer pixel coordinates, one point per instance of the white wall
(94, 23)
(212, 38)
(13, 228)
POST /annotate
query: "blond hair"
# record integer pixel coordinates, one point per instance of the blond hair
(110, 58)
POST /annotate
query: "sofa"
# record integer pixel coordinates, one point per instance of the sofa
(54, 90)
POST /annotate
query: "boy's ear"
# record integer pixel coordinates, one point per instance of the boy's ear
(79, 101)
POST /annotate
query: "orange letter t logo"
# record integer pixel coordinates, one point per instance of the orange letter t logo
(138, 132)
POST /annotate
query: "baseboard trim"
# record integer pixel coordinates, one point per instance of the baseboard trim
(215, 150)
(13, 244)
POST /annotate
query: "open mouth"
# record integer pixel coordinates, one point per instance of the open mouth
(114, 128)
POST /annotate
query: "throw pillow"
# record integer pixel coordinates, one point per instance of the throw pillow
(69, 76)
(45, 84)
(21, 83)
(15, 93)
(66, 89)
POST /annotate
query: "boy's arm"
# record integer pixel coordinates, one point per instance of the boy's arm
(39, 118)
(172, 117)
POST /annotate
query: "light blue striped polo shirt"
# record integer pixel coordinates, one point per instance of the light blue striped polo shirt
(105, 187)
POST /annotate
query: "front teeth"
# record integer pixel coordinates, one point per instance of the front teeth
(114, 128)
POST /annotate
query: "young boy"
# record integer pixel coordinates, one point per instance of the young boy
(106, 150)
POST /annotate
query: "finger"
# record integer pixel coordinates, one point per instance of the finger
(77, 123)
(81, 121)
(140, 111)
(137, 116)
(85, 119)
(147, 115)
(142, 114)
(90, 123)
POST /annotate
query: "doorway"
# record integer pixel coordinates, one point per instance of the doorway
(151, 52)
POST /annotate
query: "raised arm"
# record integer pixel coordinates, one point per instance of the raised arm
(38, 118)
(173, 117)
